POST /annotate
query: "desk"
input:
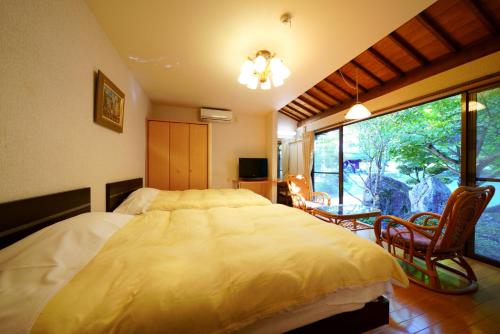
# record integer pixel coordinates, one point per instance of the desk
(346, 215)
(261, 187)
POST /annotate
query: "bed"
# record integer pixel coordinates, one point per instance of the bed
(128, 269)
(130, 197)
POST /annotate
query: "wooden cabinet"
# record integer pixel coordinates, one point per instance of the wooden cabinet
(177, 155)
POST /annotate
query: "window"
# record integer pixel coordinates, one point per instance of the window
(326, 164)
(485, 105)
(411, 160)
(405, 162)
(280, 158)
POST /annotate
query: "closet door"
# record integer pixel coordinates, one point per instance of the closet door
(179, 156)
(158, 155)
(198, 156)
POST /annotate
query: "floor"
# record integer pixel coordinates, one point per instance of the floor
(418, 310)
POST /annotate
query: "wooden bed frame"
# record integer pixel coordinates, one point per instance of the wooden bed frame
(117, 192)
(24, 217)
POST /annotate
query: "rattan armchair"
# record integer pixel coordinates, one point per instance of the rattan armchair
(302, 196)
(409, 241)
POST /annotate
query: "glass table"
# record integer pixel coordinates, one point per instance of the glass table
(346, 215)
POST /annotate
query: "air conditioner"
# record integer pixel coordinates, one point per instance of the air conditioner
(216, 115)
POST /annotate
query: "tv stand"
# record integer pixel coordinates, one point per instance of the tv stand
(261, 187)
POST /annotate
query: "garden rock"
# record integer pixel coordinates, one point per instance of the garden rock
(429, 195)
(393, 196)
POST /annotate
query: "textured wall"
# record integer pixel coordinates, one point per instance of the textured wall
(49, 52)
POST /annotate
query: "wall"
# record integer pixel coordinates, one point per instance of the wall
(48, 140)
(245, 137)
(287, 127)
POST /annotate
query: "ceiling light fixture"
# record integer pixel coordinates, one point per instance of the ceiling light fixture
(358, 110)
(265, 69)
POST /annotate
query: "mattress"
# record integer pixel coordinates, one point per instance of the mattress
(150, 199)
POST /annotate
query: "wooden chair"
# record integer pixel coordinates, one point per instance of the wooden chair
(432, 244)
(302, 196)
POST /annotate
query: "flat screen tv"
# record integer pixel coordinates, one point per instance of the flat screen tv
(253, 168)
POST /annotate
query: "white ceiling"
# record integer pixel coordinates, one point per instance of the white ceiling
(188, 53)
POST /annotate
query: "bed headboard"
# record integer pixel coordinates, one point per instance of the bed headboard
(20, 218)
(117, 192)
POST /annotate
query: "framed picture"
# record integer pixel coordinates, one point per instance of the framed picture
(109, 104)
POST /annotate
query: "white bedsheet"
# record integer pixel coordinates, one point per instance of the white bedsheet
(35, 268)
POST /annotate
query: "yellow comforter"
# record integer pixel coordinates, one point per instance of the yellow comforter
(206, 199)
(212, 271)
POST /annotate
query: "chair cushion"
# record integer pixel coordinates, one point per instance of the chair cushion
(312, 205)
(419, 241)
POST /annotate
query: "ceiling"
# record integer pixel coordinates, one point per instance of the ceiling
(447, 34)
(188, 53)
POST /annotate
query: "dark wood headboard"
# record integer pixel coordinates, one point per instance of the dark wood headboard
(117, 192)
(18, 219)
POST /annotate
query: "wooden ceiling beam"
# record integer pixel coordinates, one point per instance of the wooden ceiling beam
(299, 114)
(312, 99)
(410, 49)
(472, 52)
(367, 72)
(295, 106)
(483, 15)
(439, 32)
(328, 95)
(307, 105)
(386, 62)
(295, 118)
(342, 90)
(350, 81)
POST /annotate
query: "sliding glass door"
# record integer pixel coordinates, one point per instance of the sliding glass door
(326, 164)
(484, 169)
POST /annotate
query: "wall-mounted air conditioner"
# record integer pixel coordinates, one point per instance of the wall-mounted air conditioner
(215, 115)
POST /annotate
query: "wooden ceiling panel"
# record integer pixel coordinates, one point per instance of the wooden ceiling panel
(493, 7)
(447, 34)
(396, 54)
(423, 39)
(364, 77)
(456, 17)
(369, 61)
(330, 90)
(320, 95)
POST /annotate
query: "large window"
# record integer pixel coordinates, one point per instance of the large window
(486, 107)
(411, 160)
(326, 164)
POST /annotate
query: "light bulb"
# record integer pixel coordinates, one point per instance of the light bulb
(260, 64)
(277, 81)
(244, 78)
(247, 67)
(253, 82)
(266, 84)
(285, 72)
(358, 111)
(275, 65)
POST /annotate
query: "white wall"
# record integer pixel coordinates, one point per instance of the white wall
(245, 137)
(49, 51)
(287, 127)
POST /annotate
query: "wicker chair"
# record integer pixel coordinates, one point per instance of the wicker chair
(302, 196)
(446, 240)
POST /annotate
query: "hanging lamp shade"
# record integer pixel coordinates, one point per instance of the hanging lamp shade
(358, 111)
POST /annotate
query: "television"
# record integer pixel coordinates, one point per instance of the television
(252, 168)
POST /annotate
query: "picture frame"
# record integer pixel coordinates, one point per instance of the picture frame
(109, 104)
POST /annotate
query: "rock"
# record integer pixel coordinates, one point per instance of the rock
(393, 198)
(429, 195)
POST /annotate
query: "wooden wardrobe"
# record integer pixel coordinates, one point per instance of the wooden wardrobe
(177, 155)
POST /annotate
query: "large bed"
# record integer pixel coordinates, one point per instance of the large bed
(250, 269)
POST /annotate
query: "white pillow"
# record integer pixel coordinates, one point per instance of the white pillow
(137, 202)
